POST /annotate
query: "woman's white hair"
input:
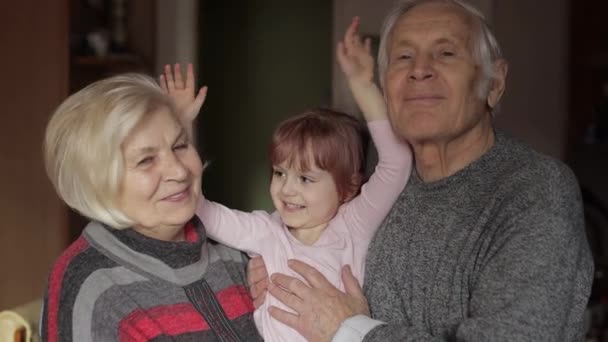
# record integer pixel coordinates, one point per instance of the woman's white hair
(82, 146)
(485, 48)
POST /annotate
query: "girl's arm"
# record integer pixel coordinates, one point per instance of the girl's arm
(365, 213)
(248, 232)
(183, 93)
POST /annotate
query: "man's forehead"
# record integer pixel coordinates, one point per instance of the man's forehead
(445, 19)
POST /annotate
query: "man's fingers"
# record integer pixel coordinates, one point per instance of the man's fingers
(259, 288)
(259, 300)
(256, 270)
(288, 298)
(283, 316)
(351, 285)
(310, 274)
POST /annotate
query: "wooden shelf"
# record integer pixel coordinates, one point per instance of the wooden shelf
(108, 61)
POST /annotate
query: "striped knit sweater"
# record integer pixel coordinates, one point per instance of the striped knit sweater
(118, 285)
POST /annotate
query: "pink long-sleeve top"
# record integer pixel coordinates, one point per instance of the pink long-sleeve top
(344, 241)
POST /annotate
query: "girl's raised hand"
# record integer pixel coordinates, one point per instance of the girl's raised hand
(354, 55)
(183, 92)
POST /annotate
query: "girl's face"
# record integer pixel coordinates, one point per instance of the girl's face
(306, 200)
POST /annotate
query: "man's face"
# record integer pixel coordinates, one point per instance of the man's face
(431, 75)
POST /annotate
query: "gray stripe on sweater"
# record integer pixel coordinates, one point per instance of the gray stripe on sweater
(114, 249)
(92, 288)
(142, 296)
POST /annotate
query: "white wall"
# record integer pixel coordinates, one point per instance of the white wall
(176, 32)
(534, 36)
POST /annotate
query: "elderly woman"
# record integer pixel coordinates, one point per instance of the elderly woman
(142, 269)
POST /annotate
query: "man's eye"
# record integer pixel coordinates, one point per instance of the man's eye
(404, 57)
(447, 53)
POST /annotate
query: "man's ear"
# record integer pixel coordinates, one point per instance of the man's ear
(497, 88)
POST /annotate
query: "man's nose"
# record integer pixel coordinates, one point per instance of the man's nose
(422, 69)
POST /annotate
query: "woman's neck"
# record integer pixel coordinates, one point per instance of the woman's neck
(172, 233)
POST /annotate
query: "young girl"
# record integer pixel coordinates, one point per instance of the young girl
(323, 215)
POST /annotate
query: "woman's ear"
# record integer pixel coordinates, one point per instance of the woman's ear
(501, 67)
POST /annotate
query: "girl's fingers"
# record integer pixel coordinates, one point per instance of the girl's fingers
(190, 77)
(177, 74)
(169, 77)
(162, 82)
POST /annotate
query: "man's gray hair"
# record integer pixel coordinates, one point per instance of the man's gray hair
(485, 48)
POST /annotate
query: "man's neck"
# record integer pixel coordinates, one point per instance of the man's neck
(436, 160)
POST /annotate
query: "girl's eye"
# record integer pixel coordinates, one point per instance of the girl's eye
(305, 179)
(278, 173)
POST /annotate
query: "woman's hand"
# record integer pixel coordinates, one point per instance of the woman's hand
(354, 55)
(257, 278)
(320, 307)
(182, 93)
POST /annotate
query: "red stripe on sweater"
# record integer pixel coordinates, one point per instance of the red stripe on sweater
(55, 283)
(173, 320)
(235, 301)
(190, 232)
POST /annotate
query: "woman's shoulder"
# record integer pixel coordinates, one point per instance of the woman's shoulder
(76, 263)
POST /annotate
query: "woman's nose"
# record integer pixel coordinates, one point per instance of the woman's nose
(174, 168)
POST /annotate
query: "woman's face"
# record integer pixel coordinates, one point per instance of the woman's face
(162, 178)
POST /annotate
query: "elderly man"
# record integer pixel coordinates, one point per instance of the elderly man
(487, 241)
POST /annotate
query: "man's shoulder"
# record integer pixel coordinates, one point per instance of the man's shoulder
(533, 169)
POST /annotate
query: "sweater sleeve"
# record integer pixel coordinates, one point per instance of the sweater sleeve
(533, 282)
(240, 230)
(365, 212)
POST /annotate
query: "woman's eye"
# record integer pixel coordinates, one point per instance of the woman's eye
(145, 161)
(404, 57)
(180, 146)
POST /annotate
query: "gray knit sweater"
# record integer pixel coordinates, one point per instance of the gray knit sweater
(495, 252)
